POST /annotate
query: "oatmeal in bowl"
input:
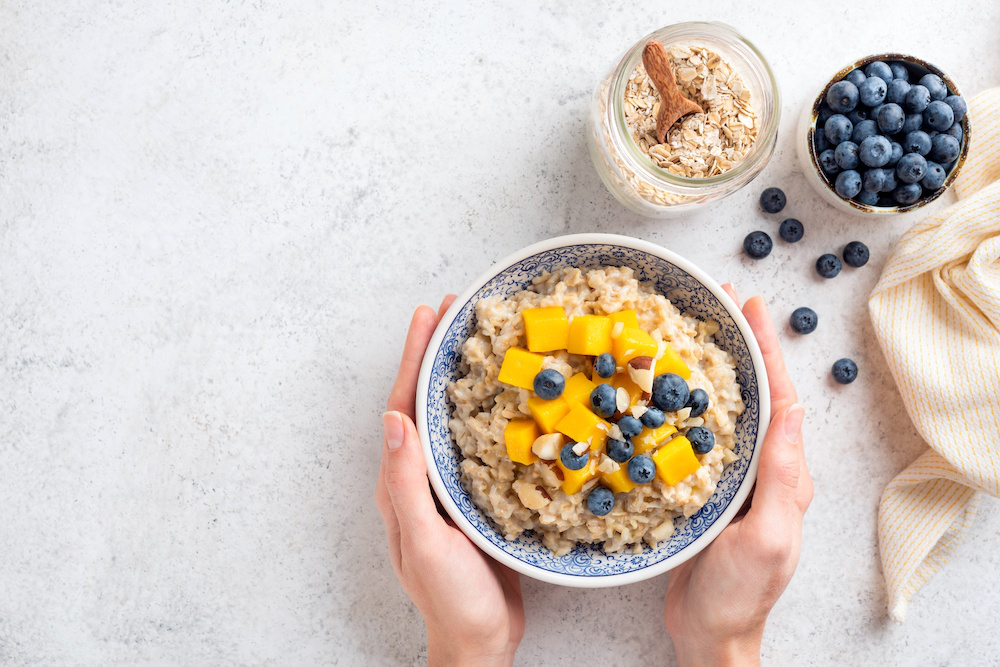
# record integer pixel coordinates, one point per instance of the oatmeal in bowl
(591, 410)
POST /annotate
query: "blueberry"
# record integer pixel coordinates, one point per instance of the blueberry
(602, 400)
(641, 469)
(868, 198)
(823, 114)
(917, 142)
(549, 384)
(879, 69)
(570, 459)
(911, 168)
(838, 129)
(873, 113)
(857, 116)
(846, 155)
(855, 254)
(698, 402)
(913, 122)
(935, 86)
(938, 116)
(845, 371)
(917, 99)
(873, 180)
(701, 439)
(897, 152)
(630, 426)
(875, 151)
(828, 265)
(856, 76)
(803, 320)
(619, 450)
(945, 148)
(935, 176)
(872, 91)
(896, 93)
(932, 134)
(820, 141)
(653, 418)
(908, 193)
(842, 96)
(670, 392)
(791, 230)
(890, 179)
(958, 106)
(600, 500)
(828, 162)
(772, 200)
(757, 245)
(955, 131)
(890, 118)
(899, 72)
(605, 365)
(863, 130)
(848, 184)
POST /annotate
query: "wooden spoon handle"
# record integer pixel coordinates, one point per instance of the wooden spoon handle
(673, 104)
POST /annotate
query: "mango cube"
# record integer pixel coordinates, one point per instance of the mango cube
(547, 413)
(671, 362)
(623, 381)
(547, 329)
(520, 367)
(573, 480)
(519, 436)
(618, 481)
(578, 389)
(589, 334)
(582, 425)
(626, 317)
(632, 343)
(676, 460)
(649, 438)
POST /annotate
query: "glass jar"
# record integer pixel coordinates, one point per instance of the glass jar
(631, 176)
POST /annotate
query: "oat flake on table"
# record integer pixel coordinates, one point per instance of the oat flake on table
(703, 144)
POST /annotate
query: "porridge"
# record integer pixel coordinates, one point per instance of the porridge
(590, 409)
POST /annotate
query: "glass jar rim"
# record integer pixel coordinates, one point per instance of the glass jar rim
(639, 162)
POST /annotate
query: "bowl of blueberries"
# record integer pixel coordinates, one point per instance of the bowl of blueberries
(886, 135)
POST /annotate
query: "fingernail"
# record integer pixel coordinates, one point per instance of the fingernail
(793, 422)
(392, 422)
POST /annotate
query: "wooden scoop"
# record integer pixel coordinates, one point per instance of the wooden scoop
(673, 105)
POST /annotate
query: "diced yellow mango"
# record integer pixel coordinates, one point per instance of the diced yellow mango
(626, 317)
(547, 413)
(671, 362)
(582, 425)
(519, 436)
(547, 329)
(618, 481)
(675, 460)
(623, 381)
(573, 480)
(649, 438)
(589, 334)
(520, 367)
(632, 343)
(578, 389)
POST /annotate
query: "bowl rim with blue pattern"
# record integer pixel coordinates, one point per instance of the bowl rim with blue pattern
(587, 565)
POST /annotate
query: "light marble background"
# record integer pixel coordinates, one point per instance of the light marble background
(215, 220)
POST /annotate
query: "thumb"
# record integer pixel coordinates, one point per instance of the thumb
(780, 470)
(406, 476)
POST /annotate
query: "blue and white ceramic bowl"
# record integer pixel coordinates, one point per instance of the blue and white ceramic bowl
(693, 292)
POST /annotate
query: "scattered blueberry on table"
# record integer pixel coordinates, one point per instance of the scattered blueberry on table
(883, 140)
(772, 200)
(757, 245)
(702, 440)
(828, 265)
(570, 459)
(856, 254)
(620, 450)
(803, 320)
(549, 384)
(600, 501)
(641, 469)
(845, 371)
(791, 230)
(605, 365)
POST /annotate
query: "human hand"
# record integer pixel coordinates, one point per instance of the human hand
(718, 601)
(470, 603)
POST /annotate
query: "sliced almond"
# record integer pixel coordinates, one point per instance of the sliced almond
(622, 399)
(607, 465)
(531, 496)
(640, 369)
(638, 410)
(546, 447)
(580, 447)
(616, 433)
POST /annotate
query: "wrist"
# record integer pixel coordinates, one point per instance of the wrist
(738, 651)
(444, 650)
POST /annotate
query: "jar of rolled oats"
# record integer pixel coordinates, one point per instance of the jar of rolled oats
(705, 156)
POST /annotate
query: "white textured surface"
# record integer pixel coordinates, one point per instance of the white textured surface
(215, 220)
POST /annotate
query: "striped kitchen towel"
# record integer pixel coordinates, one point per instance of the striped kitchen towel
(936, 314)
